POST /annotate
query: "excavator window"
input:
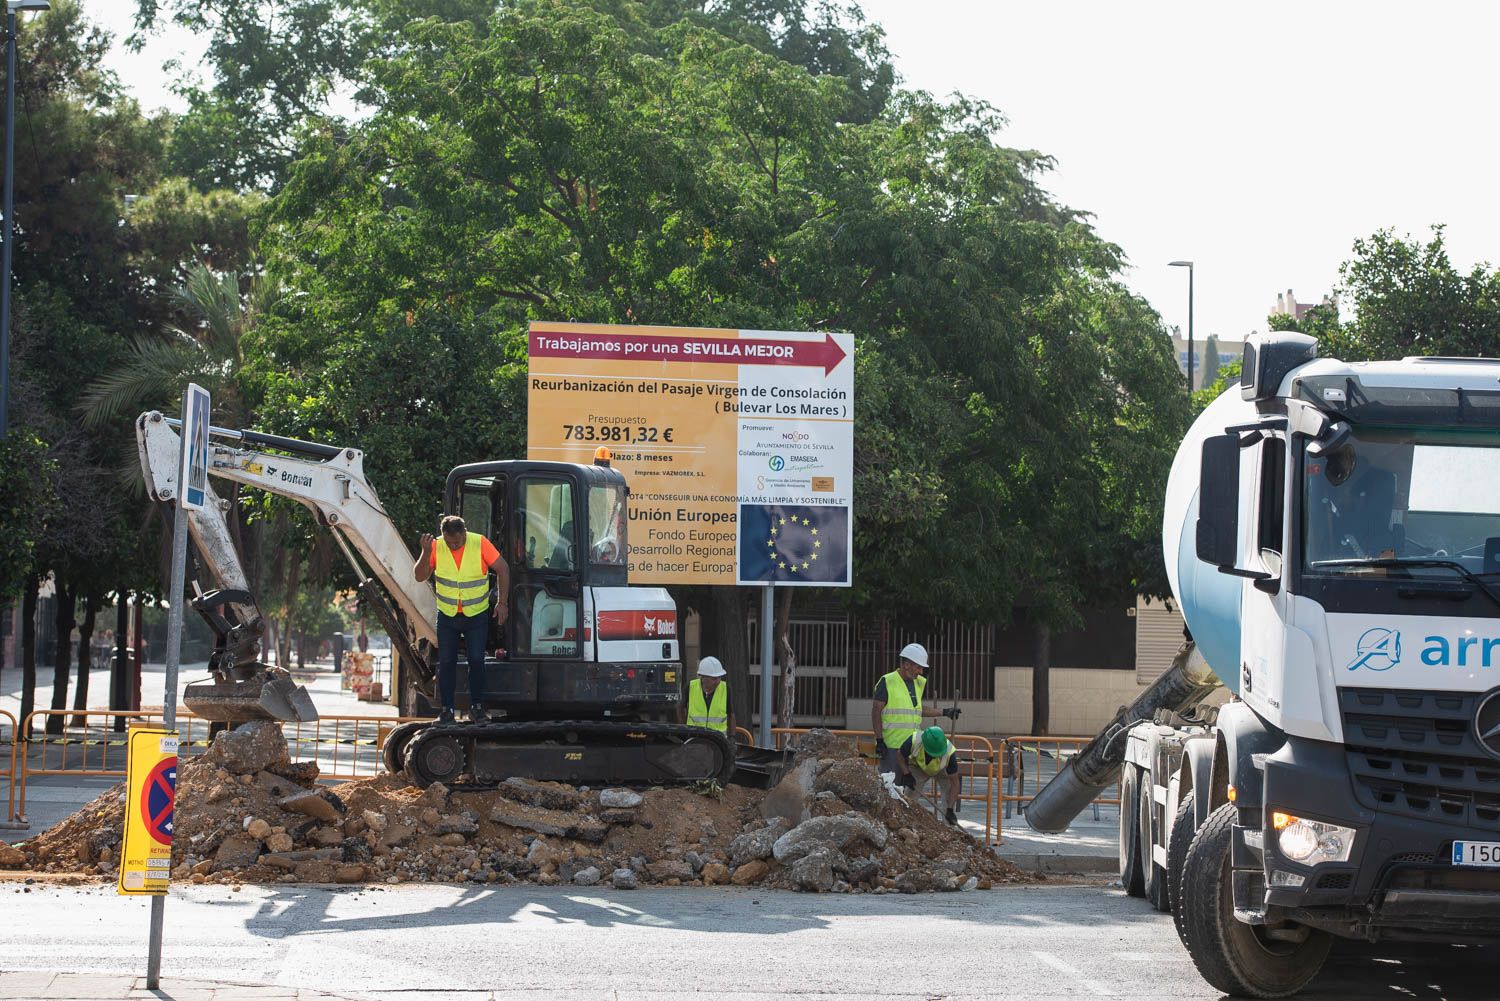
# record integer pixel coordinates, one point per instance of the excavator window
(545, 606)
(607, 524)
(478, 504)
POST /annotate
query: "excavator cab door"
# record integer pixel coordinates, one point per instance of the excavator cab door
(482, 503)
(546, 614)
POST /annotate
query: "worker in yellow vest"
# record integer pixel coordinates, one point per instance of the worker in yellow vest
(459, 564)
(926, 756)
(897, 711)
(708, 699)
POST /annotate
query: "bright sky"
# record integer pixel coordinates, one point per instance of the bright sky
(1256, 140)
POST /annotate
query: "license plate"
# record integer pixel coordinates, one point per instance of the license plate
(1485, 853)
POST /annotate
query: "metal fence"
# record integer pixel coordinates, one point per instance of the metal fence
(1029, 764)
(8, 742)
(344, 747)
(961, 653)
(821, 682)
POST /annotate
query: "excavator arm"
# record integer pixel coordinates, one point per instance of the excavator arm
(330, 482)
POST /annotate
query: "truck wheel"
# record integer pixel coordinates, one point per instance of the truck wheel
(1130, 835)
(1153, 876)
(1177, 849)
(1237, 958)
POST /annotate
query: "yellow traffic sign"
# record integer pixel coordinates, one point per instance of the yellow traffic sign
(146, 855)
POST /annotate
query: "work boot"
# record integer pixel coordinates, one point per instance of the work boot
(951, 817)
(445, 718)
(478, 715)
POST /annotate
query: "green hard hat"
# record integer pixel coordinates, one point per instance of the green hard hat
(934, 740)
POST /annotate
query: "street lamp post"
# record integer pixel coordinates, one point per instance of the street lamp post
(1189, 266)
(11, 9)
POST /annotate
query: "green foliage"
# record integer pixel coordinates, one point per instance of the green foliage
(274, 64)
(207, 349)
(1405, 297)
(26, 494)
(1210, 361)
(1228, 375)
(616, 162)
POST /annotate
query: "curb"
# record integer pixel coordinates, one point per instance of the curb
(1056, 864)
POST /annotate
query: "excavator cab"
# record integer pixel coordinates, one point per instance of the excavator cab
(562, 530)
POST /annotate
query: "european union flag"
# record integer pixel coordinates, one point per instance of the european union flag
(794, 543)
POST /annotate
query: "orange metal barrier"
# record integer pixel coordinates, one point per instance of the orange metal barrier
(978, 769)
(8, 759)
(1047, 756)
(743, 736)
(345, 747)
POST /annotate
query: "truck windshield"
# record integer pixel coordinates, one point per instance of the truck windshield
(1402, 496)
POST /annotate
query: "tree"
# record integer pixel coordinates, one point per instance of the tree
(1210, 361)
(86, 284)
(207, 347)
(26, 493)
(1405, 297)
(1017, 408)
(274, 64)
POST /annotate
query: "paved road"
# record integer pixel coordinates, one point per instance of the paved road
(429, 942)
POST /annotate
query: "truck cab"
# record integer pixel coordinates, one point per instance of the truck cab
(1338, 562)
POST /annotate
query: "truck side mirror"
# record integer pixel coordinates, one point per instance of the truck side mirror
(1219, 501)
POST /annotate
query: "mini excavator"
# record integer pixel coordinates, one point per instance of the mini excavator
(582, 683)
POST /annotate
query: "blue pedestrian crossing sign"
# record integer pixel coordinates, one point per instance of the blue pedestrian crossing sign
(195, 425)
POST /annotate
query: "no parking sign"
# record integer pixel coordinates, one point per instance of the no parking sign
(146, 855)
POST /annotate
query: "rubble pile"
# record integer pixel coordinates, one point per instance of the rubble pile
(245, 813)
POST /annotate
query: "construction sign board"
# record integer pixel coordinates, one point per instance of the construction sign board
(151, 792)
(738, 445)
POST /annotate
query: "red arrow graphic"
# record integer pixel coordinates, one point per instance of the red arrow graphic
(825, 354)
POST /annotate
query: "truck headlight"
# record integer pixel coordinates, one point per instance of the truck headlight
(1312, 841)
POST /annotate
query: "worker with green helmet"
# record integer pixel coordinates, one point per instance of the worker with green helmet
(897, 711)
(707, 703)
(926, 756)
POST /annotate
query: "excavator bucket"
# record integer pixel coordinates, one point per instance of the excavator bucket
(265, 696)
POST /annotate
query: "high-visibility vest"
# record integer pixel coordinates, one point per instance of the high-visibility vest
(462, 588)
(700, 713)
(901, 717)
(926, 764)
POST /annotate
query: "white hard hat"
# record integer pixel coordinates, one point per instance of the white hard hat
(709, 667)
(916, 653)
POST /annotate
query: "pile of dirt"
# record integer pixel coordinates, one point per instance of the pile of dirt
(246, 814)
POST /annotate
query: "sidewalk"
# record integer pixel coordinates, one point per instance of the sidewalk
(26, 986)
(1087, 846)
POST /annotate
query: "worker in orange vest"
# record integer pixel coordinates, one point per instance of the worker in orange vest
(459, 565)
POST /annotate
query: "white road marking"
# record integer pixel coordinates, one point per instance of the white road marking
(1153, 957)
(1062, 966)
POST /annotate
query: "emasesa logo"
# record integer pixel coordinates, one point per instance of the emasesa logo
(1379, 649)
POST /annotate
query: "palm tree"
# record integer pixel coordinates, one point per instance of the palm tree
(207, 349)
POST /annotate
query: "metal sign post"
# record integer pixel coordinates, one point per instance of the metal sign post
(767, 643)
(192, 484)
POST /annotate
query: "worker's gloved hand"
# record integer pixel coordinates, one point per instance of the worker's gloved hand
(879, 746)
(952, 712)
(908, 781)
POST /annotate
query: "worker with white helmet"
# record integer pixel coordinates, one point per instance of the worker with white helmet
(897, 711)
(708, 699)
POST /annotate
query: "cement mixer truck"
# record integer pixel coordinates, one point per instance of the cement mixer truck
(1332, 536)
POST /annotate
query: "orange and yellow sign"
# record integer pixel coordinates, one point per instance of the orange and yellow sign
(151, 793)
(738, 445)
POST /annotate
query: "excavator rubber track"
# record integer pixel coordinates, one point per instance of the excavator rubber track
(578, 752)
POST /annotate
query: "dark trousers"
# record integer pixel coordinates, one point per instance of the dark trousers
(472, 631)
